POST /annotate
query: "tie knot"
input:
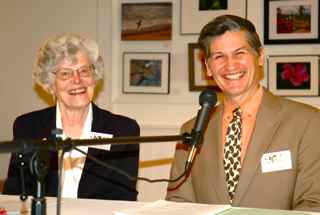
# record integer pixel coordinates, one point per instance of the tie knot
(236, 113)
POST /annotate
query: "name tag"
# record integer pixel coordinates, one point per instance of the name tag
(96, 135)
(276, 161)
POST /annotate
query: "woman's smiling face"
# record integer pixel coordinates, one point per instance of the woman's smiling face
(76, 91)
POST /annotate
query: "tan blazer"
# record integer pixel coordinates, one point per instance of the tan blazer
(281, 125)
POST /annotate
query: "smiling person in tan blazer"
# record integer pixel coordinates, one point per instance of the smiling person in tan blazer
(280, 138)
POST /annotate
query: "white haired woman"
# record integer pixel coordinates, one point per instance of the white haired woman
(69, 67)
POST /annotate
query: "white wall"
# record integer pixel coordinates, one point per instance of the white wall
(25, 24)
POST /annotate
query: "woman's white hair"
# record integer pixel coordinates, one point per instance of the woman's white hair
(64, 47)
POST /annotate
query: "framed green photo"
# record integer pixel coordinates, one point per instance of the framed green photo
(196, 13)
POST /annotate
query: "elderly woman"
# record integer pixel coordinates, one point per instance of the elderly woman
(69, 67)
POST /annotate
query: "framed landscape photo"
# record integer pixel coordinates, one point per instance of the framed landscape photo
(296, 75)
(196, 13)
(146, 21)
(198, 79)
(146, 72)
(291, 21)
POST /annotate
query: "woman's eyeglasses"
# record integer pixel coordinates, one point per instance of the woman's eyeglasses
(67, 73)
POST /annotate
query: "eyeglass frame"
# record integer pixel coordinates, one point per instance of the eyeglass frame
(69, 73)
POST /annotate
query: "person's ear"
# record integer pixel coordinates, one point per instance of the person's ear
(261, 57)
(208, 70)
(51, 89)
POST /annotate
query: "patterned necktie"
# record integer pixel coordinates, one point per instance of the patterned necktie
(232, 149)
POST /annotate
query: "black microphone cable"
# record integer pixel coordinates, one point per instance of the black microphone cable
(104, 164)
(207, 100)
(121, 172)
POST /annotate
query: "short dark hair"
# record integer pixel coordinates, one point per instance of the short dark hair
(221, 24)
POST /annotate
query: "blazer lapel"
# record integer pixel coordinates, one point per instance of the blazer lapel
(267, 122)
(47, 123)
(214, 164)
(100, 122)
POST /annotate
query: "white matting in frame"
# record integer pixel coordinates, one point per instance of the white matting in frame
(276, 67)
(290, 5)
(192, 19)
(146, 72)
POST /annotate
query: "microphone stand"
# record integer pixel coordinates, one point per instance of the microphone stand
(39, 168)
(21, 145)
(40, 159)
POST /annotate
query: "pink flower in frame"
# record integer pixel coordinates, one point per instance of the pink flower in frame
(296, 73)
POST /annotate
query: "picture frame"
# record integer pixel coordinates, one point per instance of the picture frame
(146, 21)
(198, 79)
(195, 14)
(291, 21)
(294, 75)
(146, 72)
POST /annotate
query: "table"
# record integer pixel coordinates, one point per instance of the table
(69, 206)
(95, 207)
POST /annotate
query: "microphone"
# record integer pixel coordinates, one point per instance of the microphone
(207, 99)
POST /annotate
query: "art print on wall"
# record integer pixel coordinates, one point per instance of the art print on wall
(145, 72)
(291, 21)
(198, 79)
(294, 75)
(196, 13)
(146, 21)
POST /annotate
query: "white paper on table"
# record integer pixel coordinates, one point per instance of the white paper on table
(174, 208)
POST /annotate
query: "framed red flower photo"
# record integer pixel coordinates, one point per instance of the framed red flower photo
(296, 75)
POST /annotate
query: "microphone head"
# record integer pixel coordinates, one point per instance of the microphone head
(208, 96)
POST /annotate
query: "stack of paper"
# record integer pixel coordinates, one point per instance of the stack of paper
(173, 208)
(259, 211)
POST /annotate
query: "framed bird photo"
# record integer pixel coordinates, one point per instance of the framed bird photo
(146, 72)
(146, 21)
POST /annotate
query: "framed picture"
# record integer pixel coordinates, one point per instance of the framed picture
(196, 13)
(198, 79)
(291, 21)
(145, 72)
(146, 21)
(294, 75)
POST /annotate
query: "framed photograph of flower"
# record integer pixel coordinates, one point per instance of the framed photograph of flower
(296, 75)
(146, 72)
(291, 21)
